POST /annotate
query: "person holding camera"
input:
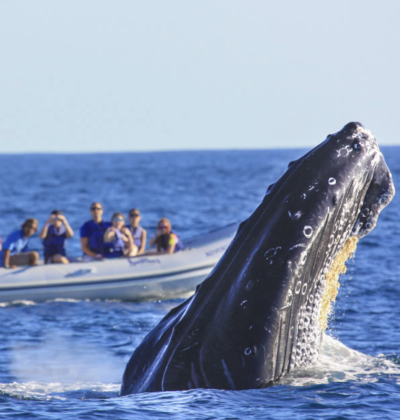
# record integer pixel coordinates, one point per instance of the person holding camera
(54, 233)
(166, 239)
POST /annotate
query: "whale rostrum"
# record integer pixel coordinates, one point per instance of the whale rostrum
(263, 309)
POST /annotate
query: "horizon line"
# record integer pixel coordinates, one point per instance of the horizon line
(85, 152)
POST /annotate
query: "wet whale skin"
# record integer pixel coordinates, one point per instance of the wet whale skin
(256, 316)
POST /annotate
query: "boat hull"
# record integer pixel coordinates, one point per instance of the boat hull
(148, 277)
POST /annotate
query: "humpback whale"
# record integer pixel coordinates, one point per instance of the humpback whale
(263, 309)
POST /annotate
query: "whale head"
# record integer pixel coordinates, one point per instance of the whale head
(263, 309)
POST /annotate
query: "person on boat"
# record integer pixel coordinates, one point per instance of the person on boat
(166, 239)
(54, 233)
(92, 233)
(118, 239)
(15, 248)
(138, 233)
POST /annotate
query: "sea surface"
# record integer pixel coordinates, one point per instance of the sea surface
(65, 359)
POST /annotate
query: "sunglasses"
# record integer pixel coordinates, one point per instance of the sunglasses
(134, 215)
(34, 228)
(118, 219)
(96, 208)
(162, 226)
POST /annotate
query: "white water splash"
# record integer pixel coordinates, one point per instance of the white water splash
(64, 360)
(338, 363)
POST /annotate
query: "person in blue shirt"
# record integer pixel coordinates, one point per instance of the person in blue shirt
(15, 248)
(92, 233)
(54, 233)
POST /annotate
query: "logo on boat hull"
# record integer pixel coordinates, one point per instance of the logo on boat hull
(143, 261)
(216, 251)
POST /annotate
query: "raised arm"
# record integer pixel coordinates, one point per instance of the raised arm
(68, 230)
(45, 229)
(153, 241)
(143, 246)
(131, 248)
(109, 235)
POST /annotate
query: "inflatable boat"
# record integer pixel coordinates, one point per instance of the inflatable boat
(143, 277)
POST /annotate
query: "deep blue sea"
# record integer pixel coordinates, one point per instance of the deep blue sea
(65, 359)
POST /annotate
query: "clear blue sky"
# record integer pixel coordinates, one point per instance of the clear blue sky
(94, 75)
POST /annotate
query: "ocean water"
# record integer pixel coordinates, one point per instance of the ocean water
(65, 359)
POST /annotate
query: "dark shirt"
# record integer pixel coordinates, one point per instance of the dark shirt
(95, 232)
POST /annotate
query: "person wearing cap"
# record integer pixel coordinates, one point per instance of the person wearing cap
(92, 233)
(138, 233)
(166, 239)
(54, 233)
(15, 248)
(118, 239)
